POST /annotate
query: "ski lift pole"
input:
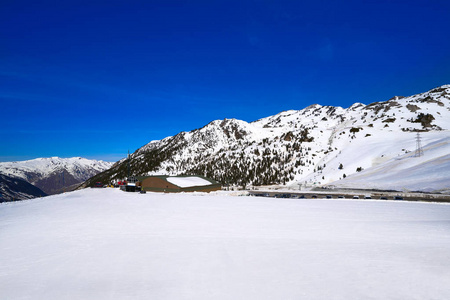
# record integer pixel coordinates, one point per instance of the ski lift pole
(128, 164)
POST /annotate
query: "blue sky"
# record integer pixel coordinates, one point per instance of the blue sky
(96, 78)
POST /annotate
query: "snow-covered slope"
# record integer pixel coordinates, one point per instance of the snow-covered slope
(301, 147)
(108, 244)
(389, 170)
(54, 175)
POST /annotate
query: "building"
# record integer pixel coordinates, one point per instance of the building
(131, 184)
(176, 184)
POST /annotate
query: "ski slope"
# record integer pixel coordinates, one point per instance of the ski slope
(108, 244)
(386, 170)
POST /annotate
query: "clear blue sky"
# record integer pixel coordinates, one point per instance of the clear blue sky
(96, 78)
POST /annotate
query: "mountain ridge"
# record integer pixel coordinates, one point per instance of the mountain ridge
(293, 147)
(54, 175)
(13, 188)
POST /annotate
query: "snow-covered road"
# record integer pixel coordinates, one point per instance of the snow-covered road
(108, 244)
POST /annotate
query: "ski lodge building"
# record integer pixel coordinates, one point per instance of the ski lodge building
(176, 184)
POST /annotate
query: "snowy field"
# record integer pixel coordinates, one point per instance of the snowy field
(108, 244)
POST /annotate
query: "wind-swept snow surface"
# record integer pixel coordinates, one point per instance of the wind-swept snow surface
(108, 244)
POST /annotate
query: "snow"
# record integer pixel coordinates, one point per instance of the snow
(188, 181)
(387, 133)
(76, 166)
(387, 168)
(108, 244)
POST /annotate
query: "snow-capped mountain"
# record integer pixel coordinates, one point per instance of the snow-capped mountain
(314, 146)
(54, 175)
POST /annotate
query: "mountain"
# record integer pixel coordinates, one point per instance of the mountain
(315, 146)
(54, 175)
(17, 189)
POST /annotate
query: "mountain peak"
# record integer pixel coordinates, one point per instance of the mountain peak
(295, 146)
(356, 106)
(54, 174)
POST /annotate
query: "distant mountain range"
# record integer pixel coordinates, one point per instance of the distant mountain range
(51, 175)
(315, 146)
